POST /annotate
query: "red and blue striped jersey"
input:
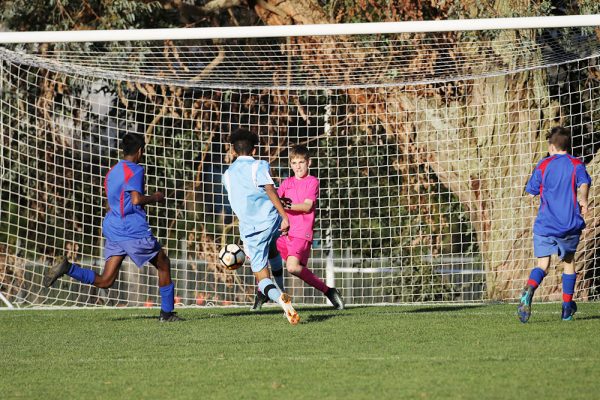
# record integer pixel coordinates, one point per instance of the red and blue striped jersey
(124, 220)
(556, 179)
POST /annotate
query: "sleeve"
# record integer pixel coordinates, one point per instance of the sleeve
(581, 176)
(263, 177)
(225, 181)
(136, 182)
(312, 190)
(534, 183)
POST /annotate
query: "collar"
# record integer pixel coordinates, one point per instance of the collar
(245, 158)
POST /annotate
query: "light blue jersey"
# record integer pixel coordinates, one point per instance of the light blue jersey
(244, 181)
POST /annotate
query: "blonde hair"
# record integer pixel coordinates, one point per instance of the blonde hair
(299, 151)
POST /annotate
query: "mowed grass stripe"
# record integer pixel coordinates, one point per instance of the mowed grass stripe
(364, 352)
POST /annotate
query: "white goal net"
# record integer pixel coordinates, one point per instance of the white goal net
(423, 143)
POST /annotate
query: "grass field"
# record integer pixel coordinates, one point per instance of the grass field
(418, 352)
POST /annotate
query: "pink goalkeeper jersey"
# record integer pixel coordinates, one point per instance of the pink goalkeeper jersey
(298, 190)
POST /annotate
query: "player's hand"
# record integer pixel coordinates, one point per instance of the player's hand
(286, 202)
(285, 226)
(584, 208)
(158, 197)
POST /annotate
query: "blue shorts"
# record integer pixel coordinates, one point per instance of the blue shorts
(544, 246)
(258, 244)
(139, 250)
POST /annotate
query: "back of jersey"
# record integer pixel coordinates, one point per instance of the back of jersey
(124, 220)
(556, 180)
(244, 181)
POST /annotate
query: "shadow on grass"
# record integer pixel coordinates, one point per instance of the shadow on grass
(313, 318)
(585, 317)
(135, 318)
(224, 313)
(445, 308)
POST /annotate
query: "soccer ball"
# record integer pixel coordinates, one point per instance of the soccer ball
(232, 257)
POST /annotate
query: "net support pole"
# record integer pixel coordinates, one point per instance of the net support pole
(330, 270)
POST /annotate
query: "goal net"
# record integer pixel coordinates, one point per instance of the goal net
(423, 143)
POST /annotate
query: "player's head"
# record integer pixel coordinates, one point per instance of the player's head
(132, 145)
(559, 139)
(243, 142)
(299, 160)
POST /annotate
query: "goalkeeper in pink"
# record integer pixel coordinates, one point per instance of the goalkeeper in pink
(299, 196)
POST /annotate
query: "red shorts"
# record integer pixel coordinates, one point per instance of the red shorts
(296, 247)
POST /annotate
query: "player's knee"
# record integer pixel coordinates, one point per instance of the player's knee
(293, 268)
(104, 282)
(164, 264)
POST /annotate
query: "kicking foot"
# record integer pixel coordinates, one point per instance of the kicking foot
(169, 317)
(286, 303)
(524, 309)
(259, 300)
(56, 271)
(335, 298)
(568, 310)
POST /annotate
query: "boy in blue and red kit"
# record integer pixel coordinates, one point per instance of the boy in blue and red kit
(559, 222)
(126, 230)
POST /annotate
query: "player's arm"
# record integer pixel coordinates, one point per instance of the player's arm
(272, 193)
(534, 183)
(302, 207)
(139, 199)
(584, 191)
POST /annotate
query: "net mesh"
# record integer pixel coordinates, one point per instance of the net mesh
(422, 143)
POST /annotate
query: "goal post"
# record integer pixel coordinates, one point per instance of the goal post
(423, 135)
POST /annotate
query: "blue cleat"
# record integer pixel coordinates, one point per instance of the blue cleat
(568, 310)
(524, 309)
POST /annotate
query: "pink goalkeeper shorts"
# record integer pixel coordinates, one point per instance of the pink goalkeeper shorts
(291, 246)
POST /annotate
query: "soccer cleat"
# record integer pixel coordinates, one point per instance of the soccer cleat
(286, 303)
(56, 272)
(568, 310)
(335, 298)
(259, 300)
(524, 309)
(169, 317)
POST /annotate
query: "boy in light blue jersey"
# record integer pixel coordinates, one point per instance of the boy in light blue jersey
(262, 218)
(559, 222)
(126, 230)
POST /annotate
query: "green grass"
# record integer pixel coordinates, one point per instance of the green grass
(422, 352)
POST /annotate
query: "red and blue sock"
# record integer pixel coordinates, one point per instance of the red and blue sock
(568, 284)
(81, 274)
(536, 277)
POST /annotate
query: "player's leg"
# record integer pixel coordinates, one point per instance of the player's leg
(276, 263)
(84, 275)
(569, 307)
(267, 287)
(166, 287)
(298, 268)
(543, 248)
(257, 246)
(297, 253)
(566, 250)
(536, 276)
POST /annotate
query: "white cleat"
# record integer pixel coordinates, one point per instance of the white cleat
(286, 303)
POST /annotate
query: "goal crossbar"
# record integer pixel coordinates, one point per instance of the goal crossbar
(301, 30)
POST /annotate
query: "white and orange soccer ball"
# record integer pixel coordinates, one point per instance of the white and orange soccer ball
(232, 257)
